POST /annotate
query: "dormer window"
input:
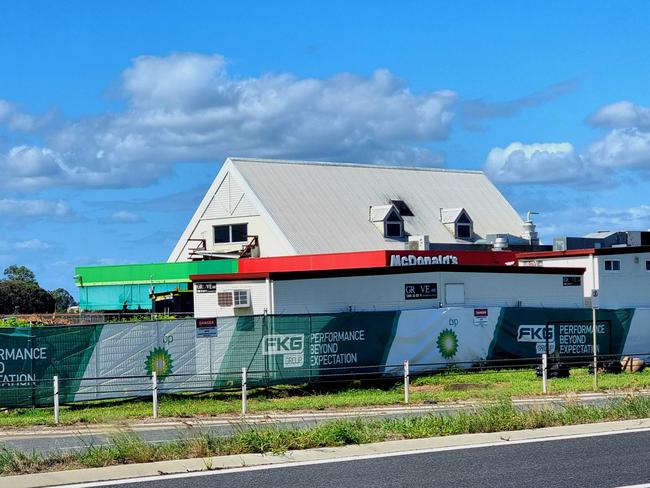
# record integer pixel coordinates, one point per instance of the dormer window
(394, 227)
(388, 220)
(458, 222)
(463, 227)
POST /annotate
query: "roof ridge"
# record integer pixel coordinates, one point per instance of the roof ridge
(353, 165)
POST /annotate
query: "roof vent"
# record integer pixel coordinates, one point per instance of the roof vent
(529, 232)
(500, 243)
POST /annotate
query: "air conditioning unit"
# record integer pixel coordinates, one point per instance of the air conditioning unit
(234, 298)
(241, 298)
(418, 243)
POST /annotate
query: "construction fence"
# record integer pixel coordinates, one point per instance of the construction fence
(192, 355)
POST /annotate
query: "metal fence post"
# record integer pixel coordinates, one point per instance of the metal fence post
(595, 346)
(57, 413)
(244, 393)
(544, 373)
(154, 393)
(407, 383)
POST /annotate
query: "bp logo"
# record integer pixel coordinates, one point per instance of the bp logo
(159, 361)
(447, 343)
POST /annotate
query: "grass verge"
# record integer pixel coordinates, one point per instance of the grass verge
(128, 448)
(449, 386)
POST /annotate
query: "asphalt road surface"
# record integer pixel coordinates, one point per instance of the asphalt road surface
(598, 461)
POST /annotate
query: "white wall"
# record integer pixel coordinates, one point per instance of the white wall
(569, 262)
(269, 243)
(205, 304)
(629, 287)
(386, 292)
(229, 205)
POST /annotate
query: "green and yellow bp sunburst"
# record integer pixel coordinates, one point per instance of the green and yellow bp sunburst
(160, 361)
(447, 343)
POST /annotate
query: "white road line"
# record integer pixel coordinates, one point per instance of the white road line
(645, 485)
(290, 464)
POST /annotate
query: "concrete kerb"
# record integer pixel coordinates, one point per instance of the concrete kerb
(158, 469)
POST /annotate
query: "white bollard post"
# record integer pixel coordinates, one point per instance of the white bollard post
(544, 373)
(57, 413)
(154, 393)
(244, 393)
(407, 383)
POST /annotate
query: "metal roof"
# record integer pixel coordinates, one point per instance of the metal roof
(601, 234)
(450, 215)
(324, 207)
(379, 212)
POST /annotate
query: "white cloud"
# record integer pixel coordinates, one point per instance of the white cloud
(13, 208)
(16, 120)
(7, 247)
(109, 261)
(622, 149)
(125, 217)
(578, 219)
(31, 167)
(621, 115)
(32, 245)
(625, 147)
(633, 218)
(535, 163)
(186, 107)
(474, 111)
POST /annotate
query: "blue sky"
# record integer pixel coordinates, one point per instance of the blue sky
(115, 117)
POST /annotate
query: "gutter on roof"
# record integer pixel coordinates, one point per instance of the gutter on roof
(584, 252)
(379, 271)
(354, 165)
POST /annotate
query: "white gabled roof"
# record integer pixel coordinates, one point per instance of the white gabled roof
(450, 215)
(324, 207)
(379, 212)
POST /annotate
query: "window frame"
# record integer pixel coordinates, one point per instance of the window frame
(237, 295)
(230, 233)
(615, 265)
(464, 225)
(393, 218)
(390, 224)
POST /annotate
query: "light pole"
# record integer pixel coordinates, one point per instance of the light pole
(595, 299)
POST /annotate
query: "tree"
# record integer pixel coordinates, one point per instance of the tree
(23, 297)
(62, 299)
(20, 273)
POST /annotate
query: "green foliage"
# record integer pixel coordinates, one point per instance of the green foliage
(24, 297)
(16, 322)
(129, 448)
(438, 388)
(20, 293)
(62, 299)
(141, 318)
(20, 273)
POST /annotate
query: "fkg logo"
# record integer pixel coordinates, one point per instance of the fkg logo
(536, 333)
(283, 344)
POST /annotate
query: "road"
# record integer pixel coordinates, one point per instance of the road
(47, 440)
(594, 461)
